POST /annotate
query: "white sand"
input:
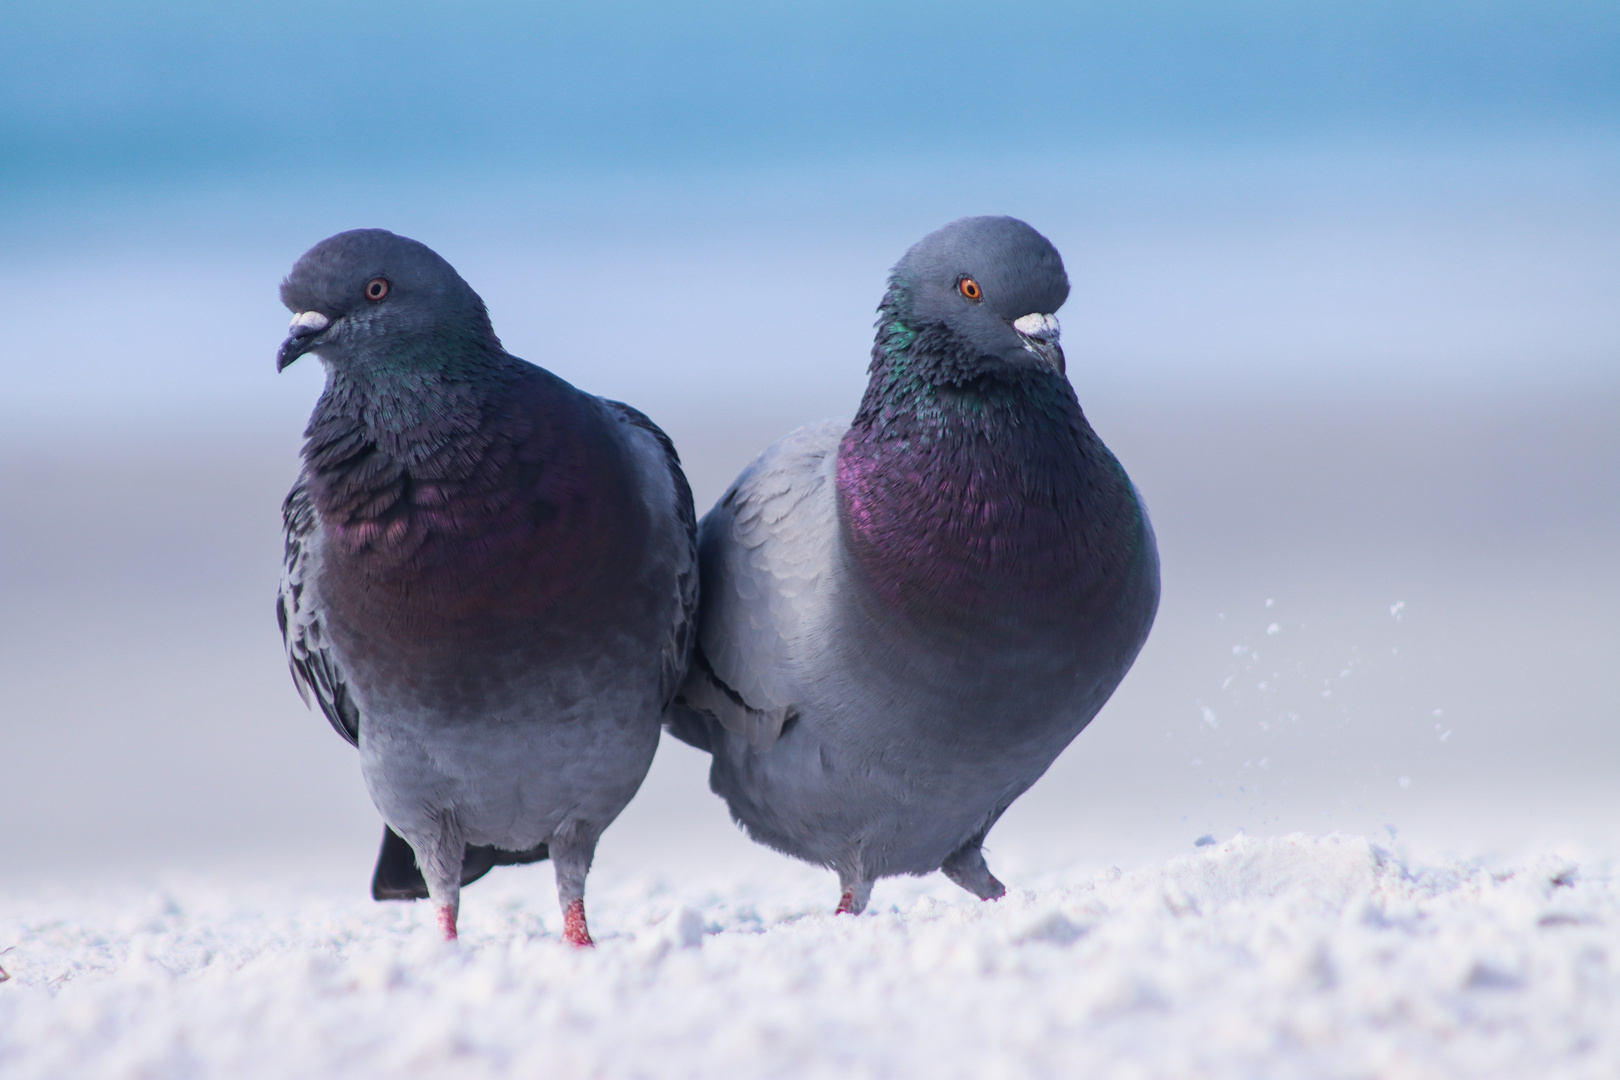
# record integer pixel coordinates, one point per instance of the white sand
(1292, 957)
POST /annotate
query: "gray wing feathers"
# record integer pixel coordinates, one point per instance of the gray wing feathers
(766, 551)
(314, 670)
(676, 650)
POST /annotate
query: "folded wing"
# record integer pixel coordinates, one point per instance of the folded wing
(315, 670)
(676, 649)
(766, 552)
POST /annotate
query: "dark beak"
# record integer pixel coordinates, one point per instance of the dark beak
(306, 327)
(1049, 351)
(1054, 356)
(295, 346)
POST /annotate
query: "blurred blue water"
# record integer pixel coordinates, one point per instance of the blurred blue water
(96, 89)
(1252, 197)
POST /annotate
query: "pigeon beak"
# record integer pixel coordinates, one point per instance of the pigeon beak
(306, 325)
(1040, 333)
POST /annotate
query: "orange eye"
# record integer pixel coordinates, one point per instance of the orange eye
(970, 288)
(376, 288)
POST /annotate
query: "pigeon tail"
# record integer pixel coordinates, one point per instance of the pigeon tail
(689, 726)
(397, 876)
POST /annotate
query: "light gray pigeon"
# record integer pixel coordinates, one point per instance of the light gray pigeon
(490, 576)
(905, 618)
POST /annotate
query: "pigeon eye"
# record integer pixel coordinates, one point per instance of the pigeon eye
(376, 288)
(969, 288)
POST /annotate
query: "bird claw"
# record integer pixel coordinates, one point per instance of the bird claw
(846, 903)
(574, 929)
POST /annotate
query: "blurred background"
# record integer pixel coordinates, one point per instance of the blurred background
(1345, 305)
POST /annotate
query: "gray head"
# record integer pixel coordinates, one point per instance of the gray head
(367, 291)
(993, 283)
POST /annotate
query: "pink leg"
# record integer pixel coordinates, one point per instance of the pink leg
(447, 921)
(3, 975)
(574, 930)
(856, 894)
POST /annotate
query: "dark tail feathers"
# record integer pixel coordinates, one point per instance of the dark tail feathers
(689, 725)
(397, 877)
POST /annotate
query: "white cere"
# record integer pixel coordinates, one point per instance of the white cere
(1038, 326)
(312, 321)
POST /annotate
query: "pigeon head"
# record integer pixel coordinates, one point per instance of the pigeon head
(368, 293)
(984, 288)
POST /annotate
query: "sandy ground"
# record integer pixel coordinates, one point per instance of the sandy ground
(1291, 957)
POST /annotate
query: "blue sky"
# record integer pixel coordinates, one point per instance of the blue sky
(114, 92)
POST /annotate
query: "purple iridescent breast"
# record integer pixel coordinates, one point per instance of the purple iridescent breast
(528, 514)
(974, 524)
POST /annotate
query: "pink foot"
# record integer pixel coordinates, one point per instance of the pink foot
(3, 975)
(447, 921)
(574, 931)
(846, 903)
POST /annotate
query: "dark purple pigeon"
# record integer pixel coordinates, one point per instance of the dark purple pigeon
(489, 580)
(907, 617)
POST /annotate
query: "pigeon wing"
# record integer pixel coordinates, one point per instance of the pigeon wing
(677, 643)
(315, 670)
(765, 555)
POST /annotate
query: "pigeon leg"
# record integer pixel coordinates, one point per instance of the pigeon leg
(966, 867)
(571, 855)
(857, 891)
(440, 854)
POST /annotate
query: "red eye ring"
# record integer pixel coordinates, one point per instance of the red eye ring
(969, 288)
(376, 289)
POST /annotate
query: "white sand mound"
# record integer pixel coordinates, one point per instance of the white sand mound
(1292, 957)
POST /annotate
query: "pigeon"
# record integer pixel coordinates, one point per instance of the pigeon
(490, 576)
(906, 617)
